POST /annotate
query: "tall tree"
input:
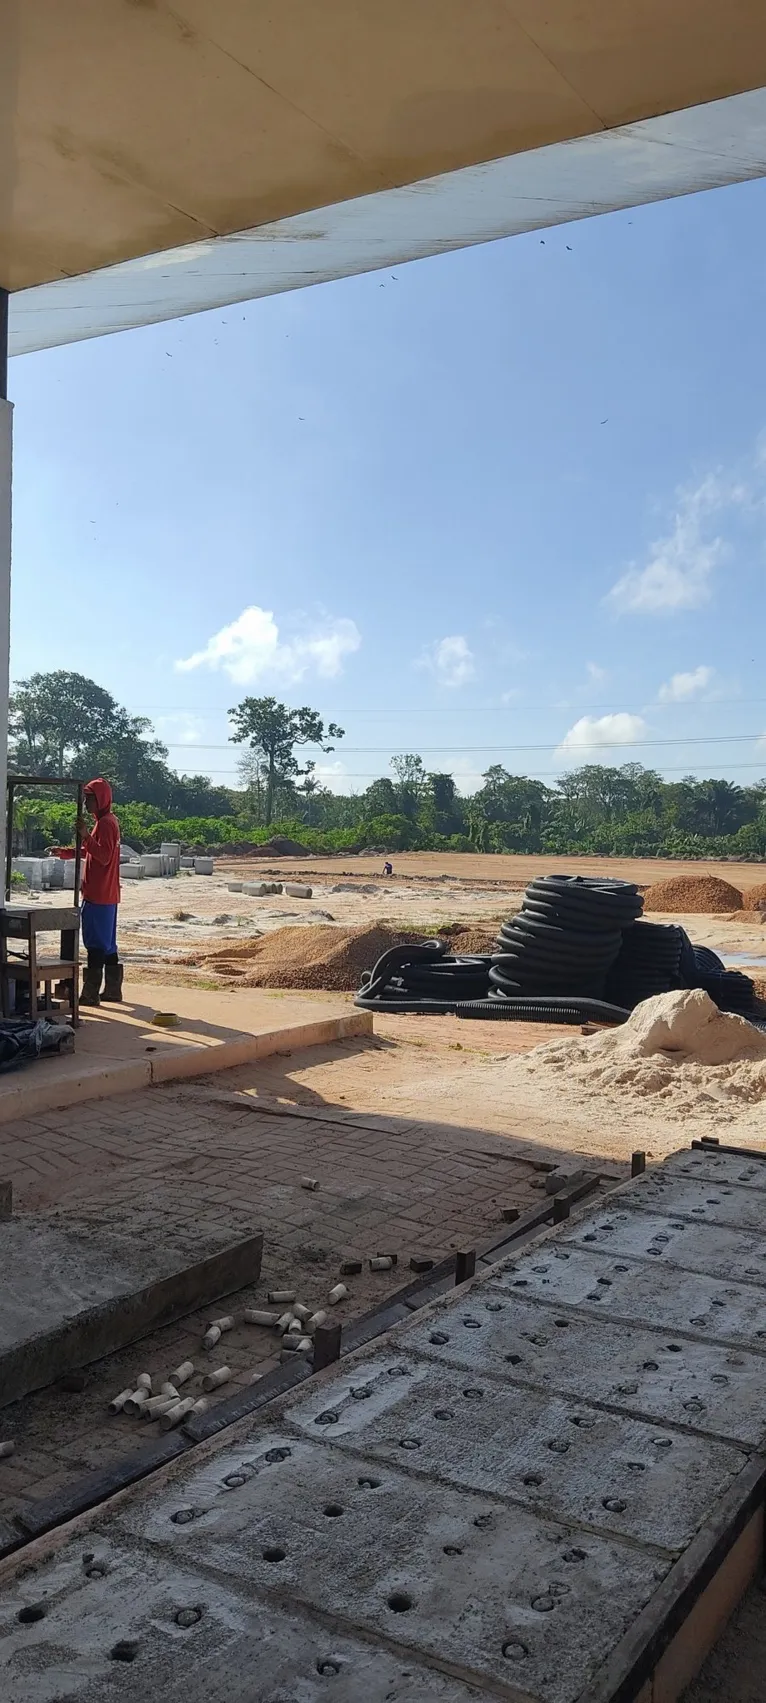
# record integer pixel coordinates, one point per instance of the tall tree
(412, 782)
(54, 717)
(273, 732)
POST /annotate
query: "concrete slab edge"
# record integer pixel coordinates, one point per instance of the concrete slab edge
(124, 1077)
(98, 1487)
(104, 1329)
(90, 1491)
(634, 1661)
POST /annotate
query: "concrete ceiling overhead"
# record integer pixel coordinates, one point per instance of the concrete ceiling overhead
(131, 127)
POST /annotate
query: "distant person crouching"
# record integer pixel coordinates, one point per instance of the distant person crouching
(100, 896)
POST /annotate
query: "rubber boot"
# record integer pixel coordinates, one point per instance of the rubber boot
(113, 973)
(91, 981)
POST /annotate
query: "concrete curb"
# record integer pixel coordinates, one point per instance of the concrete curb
(99, 1081)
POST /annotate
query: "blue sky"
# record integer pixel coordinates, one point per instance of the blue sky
(506, 505)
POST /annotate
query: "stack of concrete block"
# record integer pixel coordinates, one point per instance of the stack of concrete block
(53, 871)
(151, 863)
(170, 852)
(31, 868)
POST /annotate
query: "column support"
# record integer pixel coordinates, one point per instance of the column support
(6, 462)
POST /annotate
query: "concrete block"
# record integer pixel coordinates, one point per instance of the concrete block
(234, 886)
(200, 1641)
(547, 1452)
(187, 862)
(620, 1288)
(132, 872)
(73, 1292)
(255, 889)
(203, 865)
(646, 1373)
(151, 863)
(562, 1178)
(718, 1251)
(297, 891)
(737, 1205)
(31, 868)
(709, 1166)
(397, 1545)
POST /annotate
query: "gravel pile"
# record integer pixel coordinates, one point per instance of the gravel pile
(693, 893)
(754, 897)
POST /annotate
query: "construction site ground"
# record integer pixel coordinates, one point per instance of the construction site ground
(417, 1148)
(163, 921)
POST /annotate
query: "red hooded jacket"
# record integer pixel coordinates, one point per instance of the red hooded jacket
(101, 863)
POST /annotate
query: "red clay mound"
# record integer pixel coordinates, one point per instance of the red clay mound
(325, 957)
(700, 893)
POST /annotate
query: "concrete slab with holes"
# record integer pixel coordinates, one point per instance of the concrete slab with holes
(547, 1487)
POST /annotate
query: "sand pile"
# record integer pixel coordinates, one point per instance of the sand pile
(322, 957)
(693, 893)
(677, 1052)
(755, 897)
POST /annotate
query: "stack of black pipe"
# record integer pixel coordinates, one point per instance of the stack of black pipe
(731, 990)
(565, 938)
(575, 950)
(658, 957)
(648, 962)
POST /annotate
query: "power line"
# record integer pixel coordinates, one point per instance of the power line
(477, 750)
(539, 774)
(456, 709)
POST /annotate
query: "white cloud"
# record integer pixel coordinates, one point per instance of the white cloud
(679, 572)
(333, 775)
(601, 731)
(250, 650)
(179, 729)
(681, 687)
(451, 660)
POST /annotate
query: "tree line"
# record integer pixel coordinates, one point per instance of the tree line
(62, 723)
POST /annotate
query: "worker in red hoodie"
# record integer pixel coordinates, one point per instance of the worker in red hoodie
(100, 896)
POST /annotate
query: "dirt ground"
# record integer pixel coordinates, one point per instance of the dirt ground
(505, 869)
(162, 921)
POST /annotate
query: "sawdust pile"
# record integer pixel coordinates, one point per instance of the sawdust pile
(755, 897)
(677, 1054)
(323, 957)
(693, 893)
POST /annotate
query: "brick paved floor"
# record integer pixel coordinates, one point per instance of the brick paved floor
(386, 1184)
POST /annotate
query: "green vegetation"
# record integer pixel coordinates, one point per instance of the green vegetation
(63, 723)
